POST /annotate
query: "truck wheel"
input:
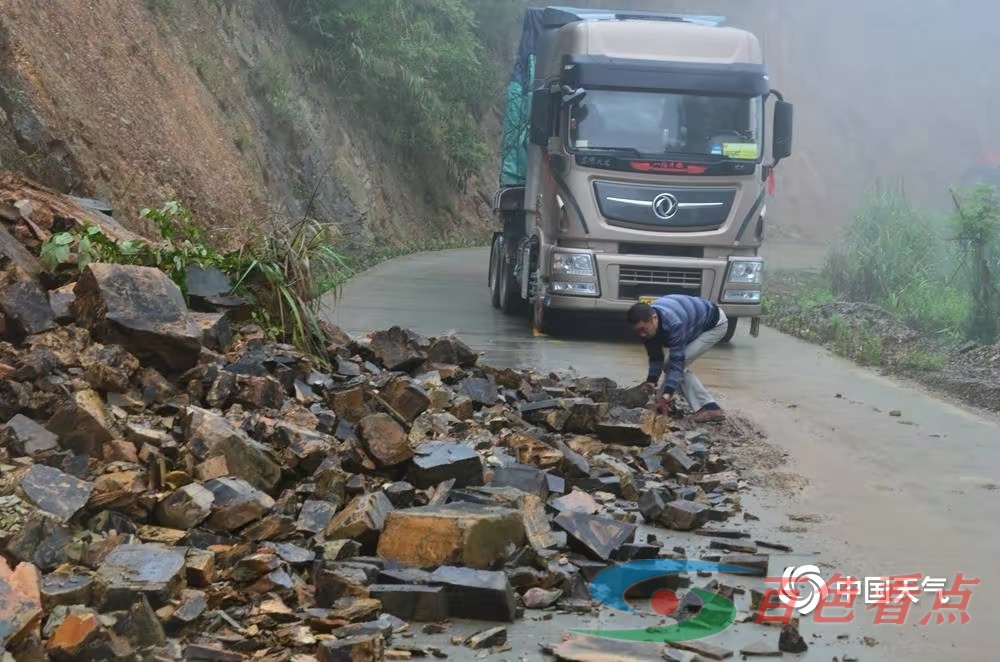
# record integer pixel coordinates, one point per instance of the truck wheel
(546, 320)
(509, 297)
(733, 321)
(496, 255)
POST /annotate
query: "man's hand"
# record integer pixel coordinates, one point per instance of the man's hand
(663, 404)
(649, 387)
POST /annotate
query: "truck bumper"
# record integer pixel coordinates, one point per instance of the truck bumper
(625, 279)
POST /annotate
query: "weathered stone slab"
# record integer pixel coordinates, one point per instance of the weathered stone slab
(236, 503)
(26, 309)
(82, 424)
(453, 534)
(587, 648)
(362, 519)
(412, 602)
(525, 478)
(599, 537)
(153, 570)
(139, 308)
(437, 461)
(684, 515)
(185, 508)
(406, 397)
(398, 349)
(704, 649)
(23, 436)
(20, 602)
(56, 492)
(385, 439)
(70, 587)
(757, 564)
(216, 332)
(630, 427)
(484, 595)
(451, 350)
(210, 435)
(352, 649)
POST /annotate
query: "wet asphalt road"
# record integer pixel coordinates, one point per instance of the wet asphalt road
(919, 493)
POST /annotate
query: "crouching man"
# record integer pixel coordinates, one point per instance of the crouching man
(687, 326)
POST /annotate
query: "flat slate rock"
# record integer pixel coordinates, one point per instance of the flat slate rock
(588, 648)
(154, 570)
(56, 492)
(600, 536)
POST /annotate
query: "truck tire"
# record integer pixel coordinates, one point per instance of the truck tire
(730, 330)
(496, 255)
(509, 296)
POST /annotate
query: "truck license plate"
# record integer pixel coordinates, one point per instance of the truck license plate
(647, 299)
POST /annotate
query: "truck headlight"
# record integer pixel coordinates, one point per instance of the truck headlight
(583, 289)
(573, 264)
(745, 272)
(574, 274)
(741, 296)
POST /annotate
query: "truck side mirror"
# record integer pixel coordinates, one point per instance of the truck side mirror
(781, 144)
(542, 125)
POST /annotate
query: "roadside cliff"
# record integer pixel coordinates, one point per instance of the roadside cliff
(233, 110)
(211, 103)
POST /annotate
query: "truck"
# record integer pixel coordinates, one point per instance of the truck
(633, 165)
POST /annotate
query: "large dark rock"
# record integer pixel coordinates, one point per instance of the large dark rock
(26, 309)
(141, 309)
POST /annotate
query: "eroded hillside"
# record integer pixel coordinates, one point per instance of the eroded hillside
(207, 102)
(218, 104)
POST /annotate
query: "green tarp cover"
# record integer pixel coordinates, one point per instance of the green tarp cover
(514, 144)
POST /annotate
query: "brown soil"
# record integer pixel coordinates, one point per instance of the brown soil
(202, 102)
(756, 459)
(972, 374)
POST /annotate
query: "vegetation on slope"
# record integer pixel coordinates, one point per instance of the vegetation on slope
(907, 290)
(425, 74)
(282, 274)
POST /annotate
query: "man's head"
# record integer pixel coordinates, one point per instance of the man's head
(644, 320)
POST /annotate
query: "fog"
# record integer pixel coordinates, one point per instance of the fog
(904, 91)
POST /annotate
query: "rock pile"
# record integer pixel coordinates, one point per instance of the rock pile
(174, 486)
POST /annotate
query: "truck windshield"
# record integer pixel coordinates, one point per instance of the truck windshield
(654, 123)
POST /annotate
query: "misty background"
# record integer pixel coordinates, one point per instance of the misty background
(900, 91)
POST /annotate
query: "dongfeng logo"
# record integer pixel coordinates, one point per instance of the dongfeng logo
(665, 206)
(715, 615)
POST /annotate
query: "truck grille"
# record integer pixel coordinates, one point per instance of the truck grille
(635, 282)
(659, 276)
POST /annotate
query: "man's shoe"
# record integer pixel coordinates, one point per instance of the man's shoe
(704, 415)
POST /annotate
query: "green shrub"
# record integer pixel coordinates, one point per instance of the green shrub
(419, 71)
(897, 257)
(976, 227)
(938, 273)
(284, 272)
